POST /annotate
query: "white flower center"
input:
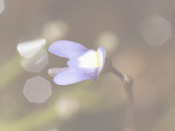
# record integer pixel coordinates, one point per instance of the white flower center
(93, 59)
(89, 60)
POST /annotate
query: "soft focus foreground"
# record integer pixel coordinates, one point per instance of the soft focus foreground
(139, 39)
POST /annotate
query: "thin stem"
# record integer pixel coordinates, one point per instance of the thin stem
(127, 82)
(117, 73)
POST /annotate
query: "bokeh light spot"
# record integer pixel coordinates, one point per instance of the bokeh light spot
(37, 90)
(108, 40)
(53, 130)
(30, 48)
(67, 106)
(155, 30)
(1, 6)
(37, 63)
(34, 57)
(55, 30)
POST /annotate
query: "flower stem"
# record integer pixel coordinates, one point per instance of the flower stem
(117, 73)
(127, 82)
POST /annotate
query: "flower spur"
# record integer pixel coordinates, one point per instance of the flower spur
(83, 64)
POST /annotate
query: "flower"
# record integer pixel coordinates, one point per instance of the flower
(82, 64)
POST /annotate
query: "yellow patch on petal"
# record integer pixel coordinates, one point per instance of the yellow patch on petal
(101, 58)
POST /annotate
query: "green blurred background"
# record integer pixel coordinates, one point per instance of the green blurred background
(138, 36)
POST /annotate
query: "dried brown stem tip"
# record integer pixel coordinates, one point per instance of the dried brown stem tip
(127, 81)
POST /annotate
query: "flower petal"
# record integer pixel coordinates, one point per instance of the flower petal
(92, 73)
(70, 76)
(101, 58)
(67, 49)
(54, 71)
(72, 62)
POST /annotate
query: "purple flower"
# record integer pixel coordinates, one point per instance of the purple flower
(82, 64)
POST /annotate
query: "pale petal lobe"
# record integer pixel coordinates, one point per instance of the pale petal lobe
(70, 76)
(67, 49)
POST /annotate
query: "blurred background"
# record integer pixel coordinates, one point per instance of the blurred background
(139, 38)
